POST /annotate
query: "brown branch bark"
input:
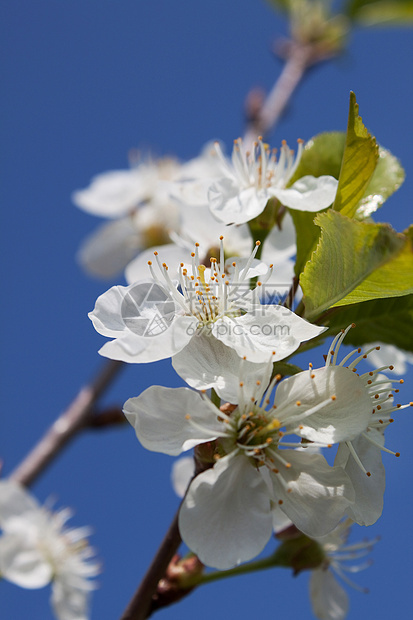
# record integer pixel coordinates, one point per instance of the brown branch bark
(299, 58)
(66, 426)
(140, 605)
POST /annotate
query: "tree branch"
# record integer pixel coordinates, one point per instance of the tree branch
(140, 605)
(66, 426)
(299, 58)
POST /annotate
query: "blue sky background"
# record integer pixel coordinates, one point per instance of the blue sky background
(83, 82)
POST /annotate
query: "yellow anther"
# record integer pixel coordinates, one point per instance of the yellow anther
(273, 425)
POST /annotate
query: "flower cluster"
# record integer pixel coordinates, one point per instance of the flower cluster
(159, 201)
(273, 443)
(212, 316)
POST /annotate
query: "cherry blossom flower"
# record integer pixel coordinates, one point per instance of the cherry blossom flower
(36, 548)
(328, 599)
(216, 302)
(250, 179)
(360, 455)
(226, 517)
(197, 225)
(137, 201)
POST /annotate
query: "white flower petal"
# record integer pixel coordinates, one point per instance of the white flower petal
(160, 419)
(314, 495)
(328, 599)
(207, 363)
(369, 490)
(270, 329)
(69, 603)
(106, 315)
(171, 254)
(22, 563)
(226, 518)
(280, 244)
(191, 192)
(346, 410)
(14, 500)
(137, 349)
(256, 267)
(308, 193)
(280, 521)
(182, 473)
(232, 205)
(114, 193)
(277, 286)
(198, 225)
(110, 248)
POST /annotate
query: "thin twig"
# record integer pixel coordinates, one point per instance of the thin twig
(299, 58)
(139, 607)
(66, 426)
(142, 604)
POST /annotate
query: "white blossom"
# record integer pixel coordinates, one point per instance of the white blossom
(36, 548)
(250, 179)
(198, 226)
(227, 514)
(360, 455)
(328, 599)
(142, 214)
(216, 302)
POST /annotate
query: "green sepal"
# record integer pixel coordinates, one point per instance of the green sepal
(262, 225)
(299, 553)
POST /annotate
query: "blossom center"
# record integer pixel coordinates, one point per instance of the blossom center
(209, 293)
(260, 168)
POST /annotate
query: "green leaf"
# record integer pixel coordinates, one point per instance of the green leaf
(285, 369)
(347, 253)
(322, 155)
(359, 162)
(392, 279)
(385, 320)
(382, 12)
(386, 179)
